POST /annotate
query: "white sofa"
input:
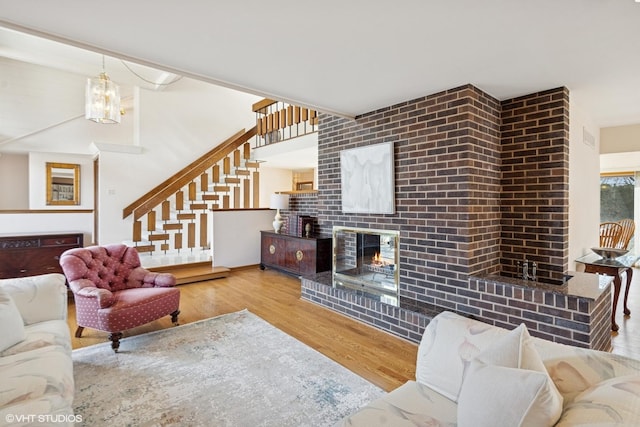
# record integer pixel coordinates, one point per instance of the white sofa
(36, 369)
(469, 373)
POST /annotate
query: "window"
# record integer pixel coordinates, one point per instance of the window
(617, 196)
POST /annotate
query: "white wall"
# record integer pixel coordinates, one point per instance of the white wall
(38, 179)
(273, 180)
(584, 183)
(620, 139)
(173, 128)
(234, 246)
(55, 110)
(76, 136)
(23, 187)
(38, 222)
(620, 162)
(162, 132)
(14, 181)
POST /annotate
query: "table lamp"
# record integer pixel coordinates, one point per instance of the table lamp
(278, 201)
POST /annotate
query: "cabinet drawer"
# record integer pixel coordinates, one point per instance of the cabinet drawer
(46, 261)
(11, 244)
(59, 241)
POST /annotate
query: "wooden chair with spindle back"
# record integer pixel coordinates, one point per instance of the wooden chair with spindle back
(628, 228)
(610, 234)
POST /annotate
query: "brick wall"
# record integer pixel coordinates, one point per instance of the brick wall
(303, 204)
(548, 314)
(300, 204)
(447, 171)
(535, 182)
(399, 321)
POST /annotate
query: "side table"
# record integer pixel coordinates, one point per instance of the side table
(594, 263)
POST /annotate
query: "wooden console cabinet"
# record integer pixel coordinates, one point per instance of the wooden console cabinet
(32, 254)
(296, 255)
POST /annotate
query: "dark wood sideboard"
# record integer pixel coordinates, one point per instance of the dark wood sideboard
(32, 254)
(296, 255)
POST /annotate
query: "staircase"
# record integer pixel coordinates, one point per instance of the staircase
(173, 217)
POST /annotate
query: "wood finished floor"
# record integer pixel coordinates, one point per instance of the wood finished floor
(627, 340)
(381, 358)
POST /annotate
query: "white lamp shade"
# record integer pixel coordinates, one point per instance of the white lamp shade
(279, 201)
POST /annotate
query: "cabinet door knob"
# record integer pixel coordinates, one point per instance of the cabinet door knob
(299, 255)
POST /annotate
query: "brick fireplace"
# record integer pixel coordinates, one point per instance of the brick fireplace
(481, 185)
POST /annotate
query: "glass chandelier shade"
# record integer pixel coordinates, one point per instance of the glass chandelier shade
(102, 100)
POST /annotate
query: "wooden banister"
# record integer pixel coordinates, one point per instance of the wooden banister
(278, 121)
(161, 192)
(262, 105)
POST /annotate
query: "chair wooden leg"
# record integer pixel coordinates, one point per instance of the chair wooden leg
(115, 340)
(79, 331)
(174, 317)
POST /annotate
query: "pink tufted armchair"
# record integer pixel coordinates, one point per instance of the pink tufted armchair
(113, 292)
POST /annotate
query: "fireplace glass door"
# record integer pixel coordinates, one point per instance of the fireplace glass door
(368, 260)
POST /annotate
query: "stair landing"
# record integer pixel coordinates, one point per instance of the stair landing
(193, 272)
(188, 268)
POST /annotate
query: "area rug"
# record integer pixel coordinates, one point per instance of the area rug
(231, 370)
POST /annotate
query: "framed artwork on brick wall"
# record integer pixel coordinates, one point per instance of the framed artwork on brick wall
(367, 179)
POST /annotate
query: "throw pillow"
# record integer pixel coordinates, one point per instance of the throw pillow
(11, 321)
(508, 385)
(448, 345)
(611, 402)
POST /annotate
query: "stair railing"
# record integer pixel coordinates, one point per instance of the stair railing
(223, 178)
(278, 121)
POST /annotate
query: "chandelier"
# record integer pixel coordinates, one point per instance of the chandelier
(102, 99)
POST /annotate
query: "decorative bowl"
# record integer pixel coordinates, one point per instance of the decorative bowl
(610, 253)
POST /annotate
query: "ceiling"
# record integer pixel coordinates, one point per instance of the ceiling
(349, 58)
(42, 84)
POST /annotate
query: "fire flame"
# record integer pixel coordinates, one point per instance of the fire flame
(377, 259)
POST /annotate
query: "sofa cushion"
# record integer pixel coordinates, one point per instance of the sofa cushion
(137, 306)
(611, 402)
(412, 404)
(574, 369)
(39, 298)
(52, 409)
(448, 344)
(43, 334)
(508, 382)
(11, 321)
(43, 373)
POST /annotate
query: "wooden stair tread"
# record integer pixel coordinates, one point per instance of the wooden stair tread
(193, 272)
